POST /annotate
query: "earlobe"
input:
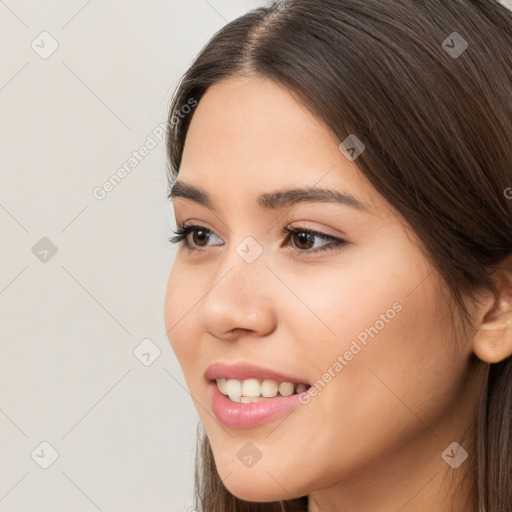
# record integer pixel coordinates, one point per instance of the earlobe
(493, 340)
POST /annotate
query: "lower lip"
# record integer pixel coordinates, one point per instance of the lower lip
(240, 415)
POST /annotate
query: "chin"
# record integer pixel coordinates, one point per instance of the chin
(248, 490)
(251, 484)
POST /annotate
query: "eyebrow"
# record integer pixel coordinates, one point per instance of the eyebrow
(273, 200)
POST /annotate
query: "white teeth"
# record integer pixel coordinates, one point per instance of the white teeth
(248, 400)
(252, 390)
(300, 388)
(233, 388)
(286, 388)
(269, 388)
(222, 385)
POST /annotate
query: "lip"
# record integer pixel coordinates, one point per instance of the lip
(245, 370)
(240, 415)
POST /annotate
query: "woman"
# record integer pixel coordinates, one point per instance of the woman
(341, 298)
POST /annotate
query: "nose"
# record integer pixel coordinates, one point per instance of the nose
(238, 300)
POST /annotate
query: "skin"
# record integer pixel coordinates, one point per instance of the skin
(373, 437)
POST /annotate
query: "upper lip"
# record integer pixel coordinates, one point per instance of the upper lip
(244, 370)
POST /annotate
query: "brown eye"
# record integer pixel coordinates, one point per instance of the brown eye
(199, 236)
(305, 239)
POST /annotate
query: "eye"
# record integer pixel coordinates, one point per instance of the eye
(181, 235)
(305, 239)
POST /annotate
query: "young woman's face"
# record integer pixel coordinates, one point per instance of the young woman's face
(363, 323)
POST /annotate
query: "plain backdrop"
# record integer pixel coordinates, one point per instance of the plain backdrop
(82, 276)
(94, 413)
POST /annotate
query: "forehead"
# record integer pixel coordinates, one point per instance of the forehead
(254, 109)
(249, 136)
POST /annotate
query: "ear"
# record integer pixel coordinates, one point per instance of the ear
(493, 340)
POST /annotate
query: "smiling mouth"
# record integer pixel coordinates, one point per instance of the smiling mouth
(256, 390)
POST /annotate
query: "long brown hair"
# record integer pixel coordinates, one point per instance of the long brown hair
(434, 110)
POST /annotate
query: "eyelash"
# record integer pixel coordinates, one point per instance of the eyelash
(182, 232)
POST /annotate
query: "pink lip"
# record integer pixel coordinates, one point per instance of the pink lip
(244, 370)
(240, 415)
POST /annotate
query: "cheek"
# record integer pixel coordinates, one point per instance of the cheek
(399, 371)
(179, 314)
(391, 350)
(339, 302)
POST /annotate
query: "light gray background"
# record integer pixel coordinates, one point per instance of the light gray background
(124, 432)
